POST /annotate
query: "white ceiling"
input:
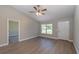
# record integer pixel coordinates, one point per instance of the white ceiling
(53, 11)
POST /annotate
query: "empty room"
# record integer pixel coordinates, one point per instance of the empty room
(39, 29)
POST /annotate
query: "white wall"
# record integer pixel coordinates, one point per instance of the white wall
(28, 27)
(76, 29)
(55, 30)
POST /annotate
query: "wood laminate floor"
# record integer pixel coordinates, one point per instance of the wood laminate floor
(39, 45)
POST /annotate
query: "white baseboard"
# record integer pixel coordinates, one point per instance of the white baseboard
(66, 39)
(50, 37)
(1, 45)
(70, 40)
(28, 38)
(57, 38)
(76, 48)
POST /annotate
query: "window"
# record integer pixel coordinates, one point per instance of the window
(43, 28)
(46, 28)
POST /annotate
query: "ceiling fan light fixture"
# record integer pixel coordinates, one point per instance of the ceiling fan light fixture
(38, 14)
(39, 11)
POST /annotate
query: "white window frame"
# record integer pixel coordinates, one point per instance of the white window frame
(46, 29)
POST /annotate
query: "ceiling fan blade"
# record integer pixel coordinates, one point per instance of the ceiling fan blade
(35, 8)
(44, 10)
(43, 13)
(38, 5)
(31, 11)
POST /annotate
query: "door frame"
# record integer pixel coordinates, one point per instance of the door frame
(8, 28)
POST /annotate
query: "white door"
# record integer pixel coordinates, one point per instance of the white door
(63, 30)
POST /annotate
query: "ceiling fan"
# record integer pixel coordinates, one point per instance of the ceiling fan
(39, 10)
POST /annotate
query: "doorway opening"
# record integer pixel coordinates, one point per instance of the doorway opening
(13, 31)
